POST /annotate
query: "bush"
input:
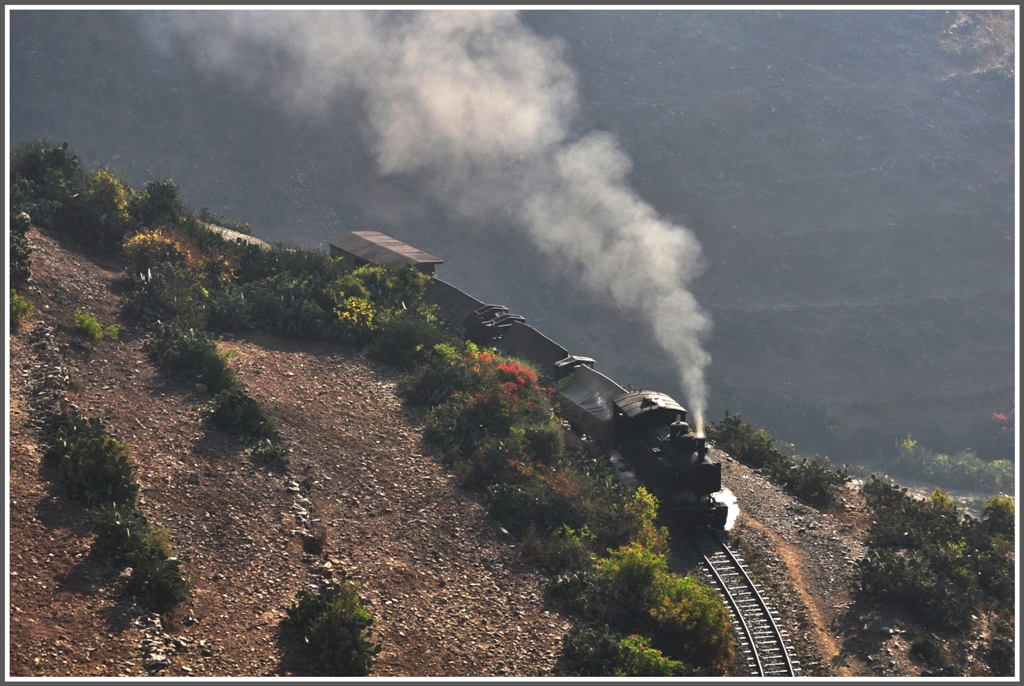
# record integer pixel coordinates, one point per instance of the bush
(694, 623)
(89, 325)
(176, 349)
(147, 249)
(174, 290)
(205, 215)
(20, 266)
(92, 328)
(1000, 515)
(155, 573)
(157, 203)
(39, 159)
(634, 588)
(336, 628)
(21, 309)
(962, 470)
(93, 466)
(228, 310)
(598, 653)
(215, 371)
(591, 653)
(637, 658)
(406, 341)
(566, 551)
(117, 528)
(241, 416)
(930, 558)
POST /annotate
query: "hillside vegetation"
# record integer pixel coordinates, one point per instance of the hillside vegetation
(489, 414)
(491, 417)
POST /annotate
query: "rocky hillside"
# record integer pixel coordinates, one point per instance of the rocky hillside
(449, 591)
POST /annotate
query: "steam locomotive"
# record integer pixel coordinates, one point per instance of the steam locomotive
(645, 429)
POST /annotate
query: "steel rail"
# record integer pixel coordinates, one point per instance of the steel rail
(741, 614)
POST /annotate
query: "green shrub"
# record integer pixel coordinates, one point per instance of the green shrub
(625, 584)
(35, 161)
(928, 557)
(21, 309)
(1000, 515)
(157, 203)
(601, 653)
(592, 652)
(20, 266)
(147, 249)
(95, 469)
(292, 306)
(177, 348)
(155, 573)
(813, 482)
(241, 416)
(228, 310)
(745, 442)
(173, 290)
(441, 375)
(117, 528)
(43, 177)
(962, 470)
(93, 466)
(406, 341)
(89, 325)
(216, 373)
(336, 628)
(634, 588)
(693, 623)
(638, 658)
(566, 551)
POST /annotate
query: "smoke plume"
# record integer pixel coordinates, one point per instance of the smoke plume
(480, 106)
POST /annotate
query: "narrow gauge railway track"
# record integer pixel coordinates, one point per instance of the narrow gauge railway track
(760, 638)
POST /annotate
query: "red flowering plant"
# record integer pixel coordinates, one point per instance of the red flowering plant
(488, 411)
(1003, 434)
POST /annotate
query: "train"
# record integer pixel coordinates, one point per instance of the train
(641, 432)
(645, 430)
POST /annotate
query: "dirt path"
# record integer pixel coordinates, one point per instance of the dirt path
(794, 561)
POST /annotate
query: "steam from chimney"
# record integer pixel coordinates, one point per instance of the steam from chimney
(480, 105)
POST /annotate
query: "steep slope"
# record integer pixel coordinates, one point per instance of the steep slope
(451, 594)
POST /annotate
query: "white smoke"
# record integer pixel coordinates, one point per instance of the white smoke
(482, 105)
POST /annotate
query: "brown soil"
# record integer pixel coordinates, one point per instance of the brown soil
(449, 591)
